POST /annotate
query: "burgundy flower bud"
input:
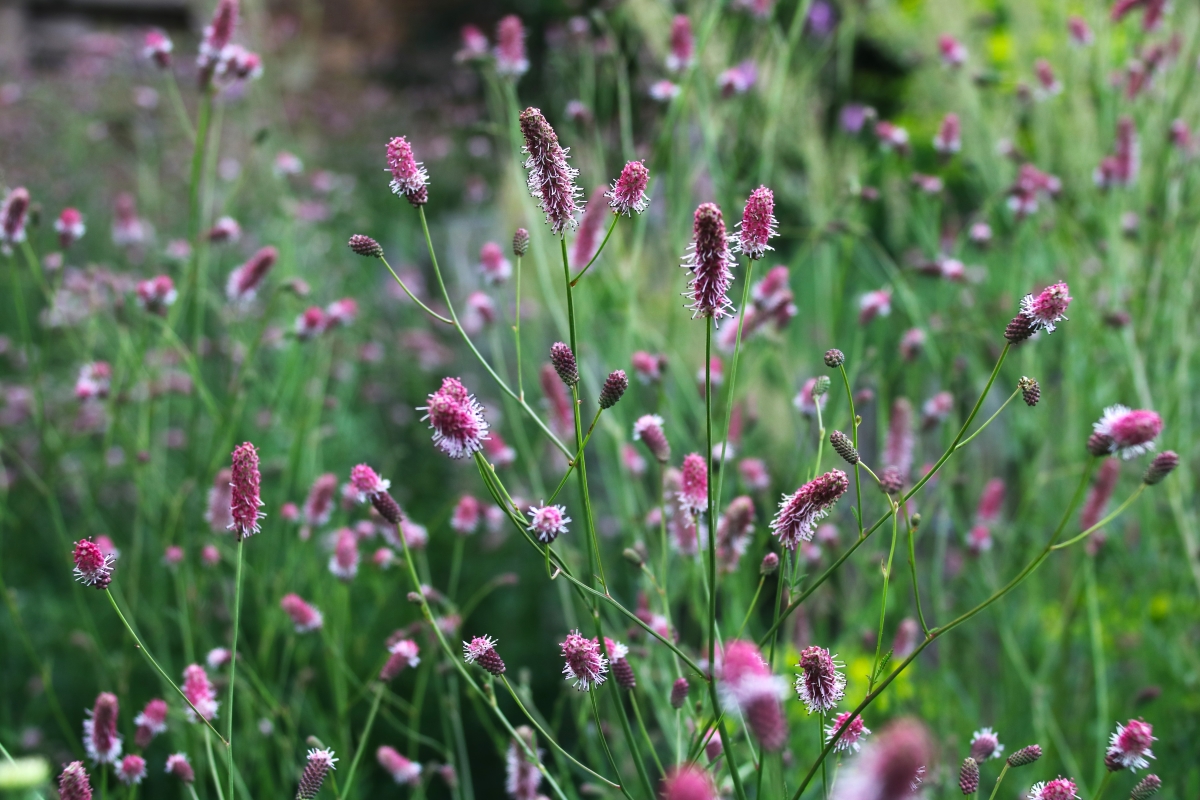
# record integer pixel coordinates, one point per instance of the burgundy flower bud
(679, 692)
(1163, 465)
(844, 447)
(366, 246)
(1020, 329)
(1099, 444)
(482, 651)
(623, 674)
(614, 387)
(1030, 390)
(628, 192)
(319, 764)
(834, 358)
(1145, 788)
(520, 242)
(968, 776)
(564, 363)
(891, 481)
(387, 507)
(1026, 755)
(770, 563)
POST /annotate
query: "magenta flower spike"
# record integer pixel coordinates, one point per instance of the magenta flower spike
(244, 280)
(522, 776)
(100, 737)
(820, 686)
(157, 47)
(456, 418)
(511, 60)
(343, 563)
(758, 224)
(93, 567)
(216, 37)
(402, 770)
(481, 650)
(150, 721)
(800, 512)
(688, 782)
(496, 269)
(318, 766)
(1058, 789)
(70, 227)
(1129, 433)
(244, 500)
(405, 654)
(649, 429)
(627, 195)
(73, 783)
(13, 214)
(179, 766)
(710, 263)
(199, 691)
(304, 617)
(683, 46)
(693, 494)
(851, 739)
(409, 178)
(890, 766)
(747, 685)
(132, 770)
(584, 663)
(551, 182)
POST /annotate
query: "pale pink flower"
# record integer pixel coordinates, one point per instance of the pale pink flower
(682, 53)
(1129, 746)
(1081, 34)
(318, 506)
(547, 523)
(937, 409)
(710, 262)
(898, 449)
(341, 312)
(100, 737)
(244, 281)
(94, 380)
(850, 738)
(13, 216)
(753, 472)
(132, 770)
(980, 233)
(287, 164)
(738, 79)
(218, 657)
(1048, 84)
(820, 685)
(400, 768)
(585, 665)
(157, 47)
(627, 195)
(466, 516)
(216, 37)
(199, 691)
(474, 45)
(890, 766)
(244, 499)
(127, 228)
(511, 61)
(663, 91)
(498, 451)
(745, 684)
(156, 294)
(648, 367)
(456, 418)
(551, 181)
(305, 617)
(633, 460)
(344, 561)
(1129, 433)
(173, 555)
(70, 227)
(495, 267)
(949, 136)
(150, 721)
(649, 429)
(693, 494)
(953, 52)
(991, 501)
(688, 782)
(891, 137)
(179, 766)
(409, 178)
(1058, 789)
(874, 304)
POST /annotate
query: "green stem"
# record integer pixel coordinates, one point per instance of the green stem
(854, 433)
(233, 659)
(413, 297)
(712, 538)
(138, 643)
(517, 333)
(362, 740)
(578, 455)
(753, 602)
(212, 765)
(1000, 778)
(912, 568)
(1004, 405)
(1103, 785)
(550, 738)
(638, 763)
(604, 744)
(637, 711)
(572, 281)
(1129, 500)
(726, 743)
(887, 574)
(733, 371)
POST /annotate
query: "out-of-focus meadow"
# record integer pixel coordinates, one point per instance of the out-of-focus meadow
(932, 162)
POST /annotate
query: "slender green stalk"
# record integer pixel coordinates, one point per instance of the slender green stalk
(1003, 405)
(212, 766)
(181, 113)
(712, 538)
(604, 744)
(1099, 666)
(638, 763)
(1116, 513)
(637, 711)
(912, 568)
(138, 643)
(572, 281)
(362, 740)
(237, 617)
(726, 744)
(548, 737)
(999, 779)
(578, 455)
(824, 764)
(1103, 785)
(750, 610)
(887, 574)
(415, 299)
(517, 333)
(733, 371)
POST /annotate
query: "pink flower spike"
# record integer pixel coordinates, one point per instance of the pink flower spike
(466, 516)
(1129, 746)
(93, 567)
(820, 686)
(400, 768)
(890, 766)
(1058, 789)
(409, 178)
(758, 224)
(456, 418)
(179, 766)
(367, 482)
(244, 500)
(688, 782)
(199, 691)
(954, 53)
(747, 685)
(318, 766)
(131, 770)
(948, 139)
(13, 215)
(649, 429)
(1047, 308)
(511, 61)
(627, 195)
(305, 617)
(73, 783)
(547, 523)
(495, 267)
(985, 744)
(693, 495)
(157, 48)
(344, 561)
(217, 35)
(100, 738)
(70, 227)
(157, 294)
(710, 262)
(800, 512)
(851, 738)
(1081, 33)
(585, 665)
(1131, 432)
(647, 366)
(244, 281)
(405, 654)
(551, 182)
(874, 304)
(150, 722)
(682, 53)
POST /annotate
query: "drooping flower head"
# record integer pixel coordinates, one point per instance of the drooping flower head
(305, 617)
(688, 782)
(890, 766)
(1058, 789)
(800, 512)
(850, 738)
(409, 178)
(627, 195)
(649, 429)
(400, 768)
(199, 691)
(1047, 308)
(481, 650)
(584, 663)
(318, 766)
(150, 722)
(1129, 433)
(367, 482)
(547, 522)
(100, 737)
(758, 224)
(70, 227)
(511, 61)
(244, 280)
(179, 766)
(746, 684)
(693, 494)
(131, 770)
(93, 567)
(456, 418)
(405, 654)
(73, 783)
(710, 262)
(551, 181)
(683, 46)
(985, 744)
(819, 685)
(1129, 746)
(244, 500)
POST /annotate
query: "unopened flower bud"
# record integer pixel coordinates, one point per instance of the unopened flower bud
(1146, 787)
(1020, 329)
(1026, 755)
(415, 598)
(821, 386)
(679, 692)
(366, 246)
(632, 556)
(770, 563)
(1030, 390)
(520, 242)
(623, 674)
(891, 481)
(564, 363)
(1163, 465)
(1099, 444)
(968, 776)
(387, 507)
(614, 387)
(834, 358)
(844, 447)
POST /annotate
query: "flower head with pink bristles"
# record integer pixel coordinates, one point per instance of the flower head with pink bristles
(73, 783)
(747, 685)
(693, 493)
(1129, 746)
(244, 500)
(199, 691)
(584, 663)
(320, 762)
(150, 721)
(800, 512)
(688, 782)
(100, 737)
(400, 768)
(132, 770)
(1128, 433)
(683, 46)
(627, 195)
(93, 567)
(409, 178)
(547, 522)
(985, 744)
(511, 61)
(179, 766)
(367, 482)
(551, 181)
(456, 418)
(820, 685)
(851, 738)
(305, 617)
(758, 224)
(1047, 308)
(710, 262)
(1058, 789)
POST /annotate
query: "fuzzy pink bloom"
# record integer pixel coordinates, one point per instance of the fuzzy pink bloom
(366, 482)
(481, 650)
(1030, 186)
(1081, 34)
(318, 766)
(991, 501)
(1152, 11)
(415, 536)
(244, 280)
(753, 472)
(100, 738)
(127, 228)
(405, 654)
(305, 617)
(1100, 493)
(238, 63)
(217, 514)
(734, 530)
(627, 195)
(474, 44)
(891, 137)
(93, 567)
(738, 79)
(456, 418)
(199, 691)
(400, 768)
(70, 227)
(131, 770)
(498, 451)
(173, 556)
(318, 506)
(492, 263)
(850, 738)
(1130, 433)
(898, 451)
(1048, 84)
(522, 776)
(1129, 746)
(480, 312)
(758, 224)
(547, 522)
(710, 262)
(511, 61)
(890, 766)
(874, 304)
(341, 312)
(683, 46)
(218, 657)
(210, 556)
(156, 294)
(466, 516)
(693, 495)
(344, 561)
(216, 37)
(150, 722)
(157, 47)
(311, 323)
(800, 512)
(688, 782)
(949, 136)
(649, 429)
(647, 366)
(953, 52)
(663, 91)
(746, 684)
(936, 409)
(985, 744)
(244, 499)
(94, 380)
(585, 665)
(551, 181)
(1058, 789)
(820, 686)
(73, 783)
(409, 178)
(179, 766)
(591, 229)
(13, 214)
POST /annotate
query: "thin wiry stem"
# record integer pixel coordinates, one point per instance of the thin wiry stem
(413, 297)
(362, 740)
(233, 659)
(599, 250)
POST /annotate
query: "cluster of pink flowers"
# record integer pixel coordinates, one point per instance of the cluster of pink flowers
(199, 691)
(800, 512)
(1031, 186)
(747, 685)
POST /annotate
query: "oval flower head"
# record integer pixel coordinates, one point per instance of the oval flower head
(305, 617)
(100, 737)
(820, 686)
(1129, 433)
(456, 418)
(649, 429)
(985, 744)
(93, 567)
(850, 738)
(1058, 789)
(367, 482)
(131, 770)
(1129, 746)
(244, 500)
(1047, 308)
(73, 783)
(585, 665)
(400, 768)
(627, 195)
(481, 650)
(688, 782)
(409, 178)
(710, 262)
(746, 683)
(199, 691)
(799, 513)
(547, 522)
(758, 224)
(318, 766)
(693, 494)
(551, 182)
